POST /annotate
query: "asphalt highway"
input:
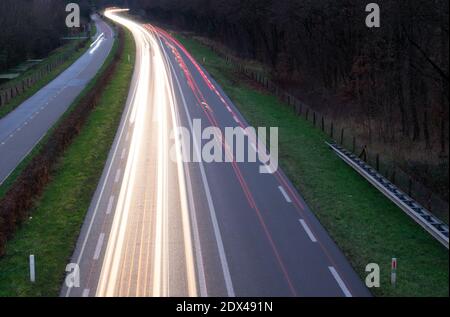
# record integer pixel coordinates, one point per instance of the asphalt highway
(160, 226)
(24, 127)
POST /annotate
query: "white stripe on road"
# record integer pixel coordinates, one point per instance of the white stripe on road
(85, 292)
(284, 194)
(110, 205)
(340, 281)
(212, 211)
(98, 248)
(116, 180)
(124, 151)
(102, 190)
(308, 231)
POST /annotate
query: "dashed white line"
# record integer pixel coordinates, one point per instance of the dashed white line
(86, 292)
(340, 281)
(116, 180)
(110, 205)
(124, 152)
(286, 196)
(308, 231)
(236, 119)
(98, 248)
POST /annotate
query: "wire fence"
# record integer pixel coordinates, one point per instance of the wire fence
(344, 136)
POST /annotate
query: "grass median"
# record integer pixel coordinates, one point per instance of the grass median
(56, 220)
(366, 225)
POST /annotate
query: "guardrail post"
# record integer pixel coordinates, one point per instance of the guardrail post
(307, 114)
(314, 118)
(377, 160)
(323, 124)
(342, 136)
(354, 145)
(332, 130)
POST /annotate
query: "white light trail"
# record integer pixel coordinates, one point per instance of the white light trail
(152, 71)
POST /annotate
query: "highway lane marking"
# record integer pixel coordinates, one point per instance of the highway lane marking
(286, 196)
(86, 292)
(117, 178)
(23, 157)
(308, 231)
(340, 281)
(98, 248)
(186, 188)
(110, 205)
(236, 119)
(122, 156)
(212, 211)
(105, 181)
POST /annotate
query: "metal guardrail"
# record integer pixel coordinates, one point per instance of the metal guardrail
(434, 226)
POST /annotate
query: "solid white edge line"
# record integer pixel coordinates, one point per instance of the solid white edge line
(285, 195)
(340, 281)
(86, 292)
(195, 231)
(218, 236)
(308, 231)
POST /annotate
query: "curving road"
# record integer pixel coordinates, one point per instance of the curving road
(160, 227)
(24, 127)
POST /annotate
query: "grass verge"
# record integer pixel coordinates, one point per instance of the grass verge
(366, 225)
(61, 51)
(57, 218)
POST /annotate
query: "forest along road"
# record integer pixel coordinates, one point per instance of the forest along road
(24, 127)
(160, 227)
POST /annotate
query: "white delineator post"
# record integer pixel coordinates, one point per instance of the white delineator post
(32, 269)
(393, 271)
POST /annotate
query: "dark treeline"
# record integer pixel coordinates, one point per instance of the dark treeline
(390, 84)
(31, 28)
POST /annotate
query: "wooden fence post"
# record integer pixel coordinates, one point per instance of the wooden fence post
(332, 129)
(354, 145)
(377, 160)
(342, 136)
(323, 124)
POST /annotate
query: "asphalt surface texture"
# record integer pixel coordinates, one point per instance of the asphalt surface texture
(159, 225)
(23, 128)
